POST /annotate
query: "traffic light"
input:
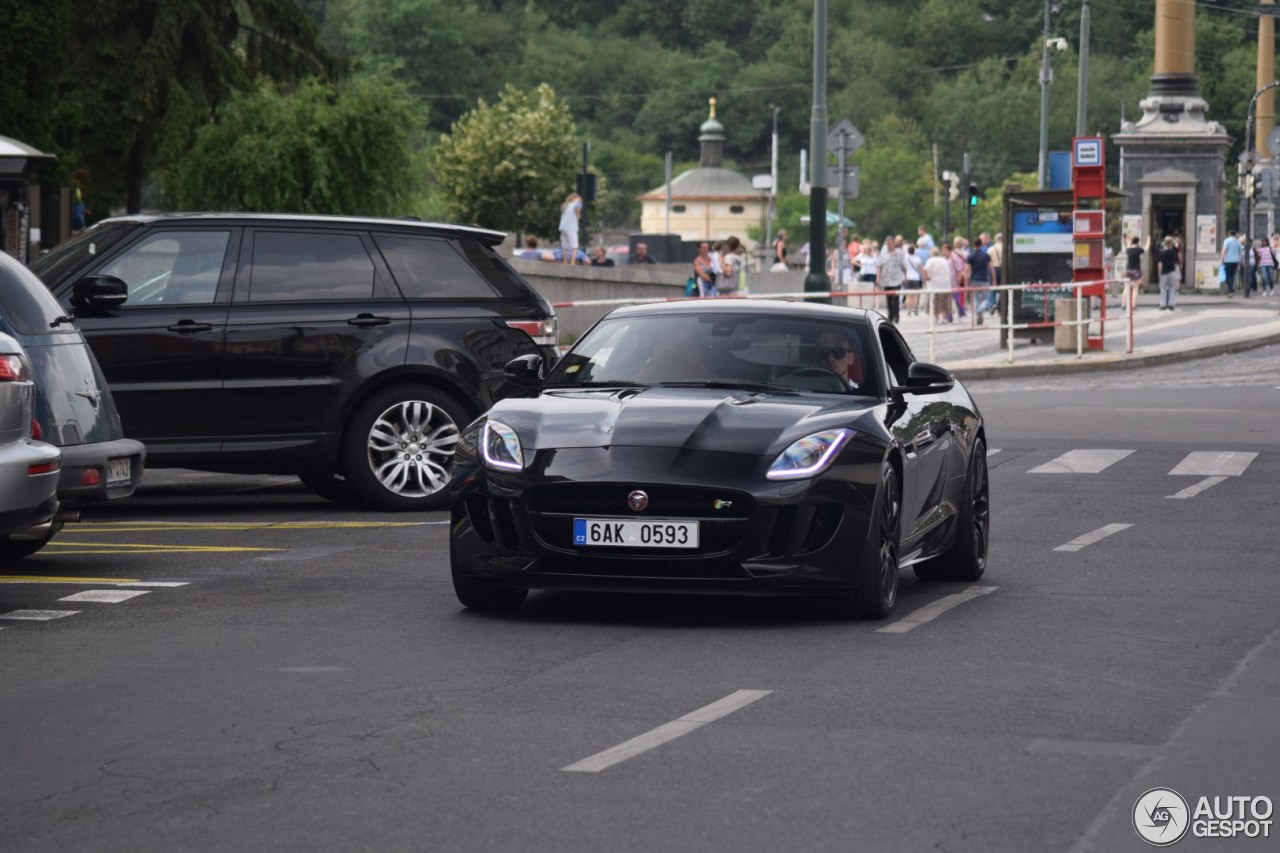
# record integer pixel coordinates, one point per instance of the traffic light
(974, 195)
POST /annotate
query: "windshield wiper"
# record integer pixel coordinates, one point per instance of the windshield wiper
(731, 384)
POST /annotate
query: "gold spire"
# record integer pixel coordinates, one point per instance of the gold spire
(713, 107)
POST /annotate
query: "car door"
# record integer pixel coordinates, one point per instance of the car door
(161, 350)
(313, 317)
(923, 428)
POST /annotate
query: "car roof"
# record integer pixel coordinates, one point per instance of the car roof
(485, 235)
(777, 307)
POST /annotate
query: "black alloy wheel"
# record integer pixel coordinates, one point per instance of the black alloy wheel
(967, 559)
(877, 589)
(398, 450)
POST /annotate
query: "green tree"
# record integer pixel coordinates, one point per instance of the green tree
(896, 180)
(146, 75)
(346, 149)
(509, 166)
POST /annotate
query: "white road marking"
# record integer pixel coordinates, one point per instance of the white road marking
(312, 669)
(992, 451)
(667, 732)
(104, 596)
(929, 612)
(158, 583)
(1089, 538)
(1081, 462)
(37, 615)
(1192, 491)
(1212, 463)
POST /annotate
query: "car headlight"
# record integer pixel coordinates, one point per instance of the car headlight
(810, 455)
(500, 447)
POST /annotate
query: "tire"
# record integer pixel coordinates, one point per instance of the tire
(12, 549)
(877, 589)
(967, 559)
(329, 486)
(397, 453)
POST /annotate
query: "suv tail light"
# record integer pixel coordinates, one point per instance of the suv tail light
(543, 332)
(13, 367)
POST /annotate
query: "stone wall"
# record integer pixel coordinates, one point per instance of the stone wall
(561, 283)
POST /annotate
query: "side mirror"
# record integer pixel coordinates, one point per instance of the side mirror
(524, 370)
(99, 291)
(926, 378)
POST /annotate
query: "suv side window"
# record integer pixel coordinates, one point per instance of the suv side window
(290, 266)
(429, 267)
(172, 267)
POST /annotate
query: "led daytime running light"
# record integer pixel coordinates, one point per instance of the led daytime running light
(829, 440)
(498, 436)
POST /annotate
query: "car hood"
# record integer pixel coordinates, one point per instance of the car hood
(691, 418)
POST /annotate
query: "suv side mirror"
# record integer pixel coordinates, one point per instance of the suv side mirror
(99, 291)
(926, 378)
(524, 370)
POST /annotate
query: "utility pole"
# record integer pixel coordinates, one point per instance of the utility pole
(1046, 77)
(669, 165)
(1082, 90)
(773, 186)
(968, 208)
(816, 281)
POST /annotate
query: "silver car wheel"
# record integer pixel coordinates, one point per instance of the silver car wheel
(411, 447)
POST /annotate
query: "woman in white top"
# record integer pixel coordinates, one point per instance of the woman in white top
(569, 213)
(914, 280)
(937, 285)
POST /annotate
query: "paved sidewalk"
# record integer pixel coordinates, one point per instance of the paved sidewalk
(1199, 327)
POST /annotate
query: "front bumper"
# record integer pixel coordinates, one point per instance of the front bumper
(797, 537)
(79, 458)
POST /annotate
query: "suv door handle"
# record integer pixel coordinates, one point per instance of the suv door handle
(366, 320)
(188, 327)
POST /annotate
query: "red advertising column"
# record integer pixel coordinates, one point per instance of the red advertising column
(1088, 223)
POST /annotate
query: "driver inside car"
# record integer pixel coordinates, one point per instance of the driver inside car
(836, 353)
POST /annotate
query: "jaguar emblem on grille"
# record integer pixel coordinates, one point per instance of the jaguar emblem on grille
(637, 500)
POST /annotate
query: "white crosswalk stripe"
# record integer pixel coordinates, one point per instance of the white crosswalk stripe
(1081, 462)
(1212, 463)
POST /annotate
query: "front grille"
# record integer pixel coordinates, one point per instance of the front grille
(664, 501)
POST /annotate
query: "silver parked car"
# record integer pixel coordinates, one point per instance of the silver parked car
(28, 468)
(73, 408)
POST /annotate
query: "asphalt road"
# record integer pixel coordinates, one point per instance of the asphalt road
(313, 685)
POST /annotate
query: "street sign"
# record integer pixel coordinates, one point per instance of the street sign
(1273, 141)
(844, 130)
(851, 185)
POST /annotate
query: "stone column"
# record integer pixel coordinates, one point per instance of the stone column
(1266, 108)
(1175, 71)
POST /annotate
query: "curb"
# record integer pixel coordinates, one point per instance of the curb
(1113, 363)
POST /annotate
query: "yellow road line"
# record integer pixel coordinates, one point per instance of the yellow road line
(119, 547)
(152, 527)
(55, 579)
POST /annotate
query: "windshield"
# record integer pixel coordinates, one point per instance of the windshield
(751, 351)
(79, 251)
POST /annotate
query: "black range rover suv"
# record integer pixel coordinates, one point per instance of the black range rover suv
(347, 351)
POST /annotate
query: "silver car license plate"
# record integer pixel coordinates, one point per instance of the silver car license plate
(657, 533)
(119, 471)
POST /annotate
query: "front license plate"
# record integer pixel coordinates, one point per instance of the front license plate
(594, 532)
(119, 471)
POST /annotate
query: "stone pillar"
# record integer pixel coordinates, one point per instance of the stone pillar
(1266, 108)
(1175, 68)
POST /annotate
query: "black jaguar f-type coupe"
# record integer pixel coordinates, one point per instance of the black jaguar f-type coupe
(728, 446)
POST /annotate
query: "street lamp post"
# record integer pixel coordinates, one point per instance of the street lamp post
(1046, 77)
(773, 185)
(816, 281)
(1247, 158)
